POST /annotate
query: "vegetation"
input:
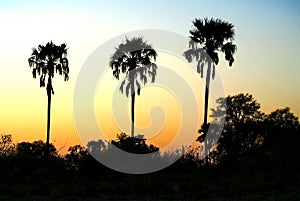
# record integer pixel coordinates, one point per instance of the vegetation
(256, 158)
(136, 60)
(45, 61)
(208, 37)
(133, 145)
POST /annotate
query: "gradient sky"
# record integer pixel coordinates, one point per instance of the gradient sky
(267, 61)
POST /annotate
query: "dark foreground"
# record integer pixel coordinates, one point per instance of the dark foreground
(180, 181)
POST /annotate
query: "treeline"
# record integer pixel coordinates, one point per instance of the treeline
(249, 134)
(254, 153)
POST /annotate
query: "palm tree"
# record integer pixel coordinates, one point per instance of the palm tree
(208, 37)
(134, 58)
(45, 61)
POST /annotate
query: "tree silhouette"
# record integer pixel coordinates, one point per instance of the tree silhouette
(135, 59)
(94, 147)
(282, 134)
(208, 37)
(133, 145)
(242, 129)
(7, 146)
(76, 154)
(36, 149)
(45, 61)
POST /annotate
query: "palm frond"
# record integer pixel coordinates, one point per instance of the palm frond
(34, 73)
(42, 81)
(138, 87)
(66, 78)
(229, 49)
(122, 86)
(188, 55)
(144, 79)
(135, 58)
(127, 89)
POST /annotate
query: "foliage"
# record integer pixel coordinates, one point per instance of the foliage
(250, 136)
(133, 145)
(282, 126)
(208, 37)
(281, 143)
(76, 154)
(48, 60)
(242, 130)
(7, 146)
(134, 59)
(35, 149)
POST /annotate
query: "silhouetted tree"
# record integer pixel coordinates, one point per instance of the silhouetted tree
(75, 156)
(282, 136)
(95, 147)
(281, 126)
(135, 59)
(30, 161)
(36, 149)
(133, 145)
(7, 147)
(45, 62)
(208, 37)
(242, 131)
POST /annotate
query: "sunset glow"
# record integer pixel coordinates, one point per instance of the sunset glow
(266, 63)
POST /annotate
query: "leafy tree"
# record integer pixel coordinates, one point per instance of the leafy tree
(30, 162)
(242, 131)
(208, 37)
(135, 59)
(75, 156)
(95, 147)
(282, 136)
(7, 147)
(36, 149)
(133, 145)
(45, 61)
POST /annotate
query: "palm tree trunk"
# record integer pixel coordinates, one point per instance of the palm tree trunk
(132, 113)
(205, 124)
(49, 93)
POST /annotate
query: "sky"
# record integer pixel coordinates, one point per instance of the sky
(266, 63)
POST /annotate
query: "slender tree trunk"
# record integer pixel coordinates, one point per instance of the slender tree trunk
(205, 124)
(132, 113)
(49, 94)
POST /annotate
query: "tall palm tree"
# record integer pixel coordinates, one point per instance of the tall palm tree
(208, 37)
(134, 58)
(45, 61)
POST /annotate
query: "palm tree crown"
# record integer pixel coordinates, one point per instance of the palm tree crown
(134, 59)
(48, 60)
(211, 36)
